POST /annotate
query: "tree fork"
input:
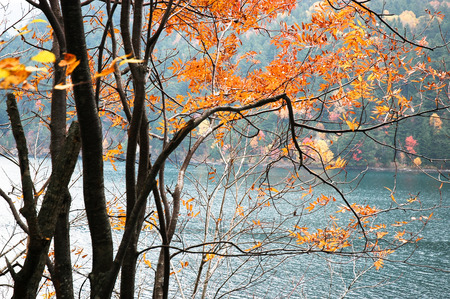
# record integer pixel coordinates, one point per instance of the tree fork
(41, 227)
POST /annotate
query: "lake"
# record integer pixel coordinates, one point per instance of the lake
(300, 276)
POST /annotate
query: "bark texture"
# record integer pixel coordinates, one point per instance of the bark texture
(92, 151)
(41, 227)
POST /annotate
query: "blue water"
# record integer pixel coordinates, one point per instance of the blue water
(415, 270)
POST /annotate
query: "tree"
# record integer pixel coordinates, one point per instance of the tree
(342, 61)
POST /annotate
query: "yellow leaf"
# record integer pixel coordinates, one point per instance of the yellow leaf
(63, 86)
(417, 161)
(20, 76)
(340, 163)
(4, 73)
(258, 244)
(131, 60)
(381, 234)
(352, 125)
(44, 57)
(72, 67)
(310, 207)
(24, 32)
(148, 263)
(110, 69)
(208, 257)
(16, 76)
(38, 21)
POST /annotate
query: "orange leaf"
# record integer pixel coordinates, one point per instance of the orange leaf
(72, 67)
(70, 61)
(381, 234)
(9, 62)
(378, 264)
(105, 72)
(393, 198)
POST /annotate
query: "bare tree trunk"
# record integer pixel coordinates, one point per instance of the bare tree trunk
(62, 277)
(27, 280)
(137, 134)
(158, 288)
(161, 287)
(91, 137)
(128, 273)
(40, 227)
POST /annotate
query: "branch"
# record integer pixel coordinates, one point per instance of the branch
(29, 208)
(14, 211)
(27, 280)
(56, 25)
(59, 180)
(399, 119)
(379, 17)
(152, 41)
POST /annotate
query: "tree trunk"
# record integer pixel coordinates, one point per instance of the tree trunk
(92, 151)
(40, 227)
(137, 134)
(62, 277)
(128, 273)
(26, 282)
(63, 280)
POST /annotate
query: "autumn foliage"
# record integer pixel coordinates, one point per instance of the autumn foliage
(181, 85)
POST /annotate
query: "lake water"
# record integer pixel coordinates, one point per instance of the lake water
(301, 276)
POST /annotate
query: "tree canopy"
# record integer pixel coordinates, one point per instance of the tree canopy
(240, 90)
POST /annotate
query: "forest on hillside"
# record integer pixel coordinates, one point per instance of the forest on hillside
(424, 138)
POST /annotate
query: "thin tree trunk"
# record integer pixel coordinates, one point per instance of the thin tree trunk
(62, 277)
(137, 133)
(40, 227)
(128, 273)
(27, 280)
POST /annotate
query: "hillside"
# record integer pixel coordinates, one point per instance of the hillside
(428, 136)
